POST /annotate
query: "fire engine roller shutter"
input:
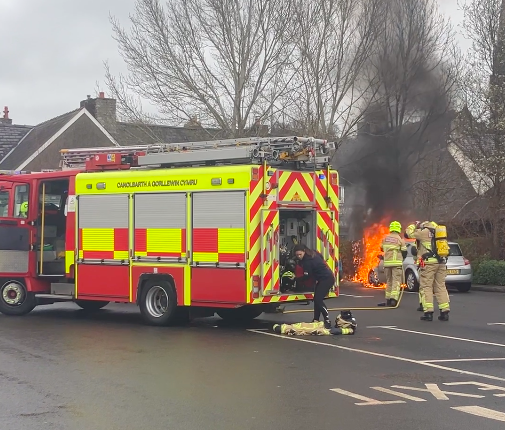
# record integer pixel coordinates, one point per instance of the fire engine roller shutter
(160, 227)
(103, 227)
(219, 228)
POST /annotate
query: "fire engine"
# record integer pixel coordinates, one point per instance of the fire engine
(179, 229)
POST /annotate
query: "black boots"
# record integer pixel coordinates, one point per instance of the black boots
(386, 303)
(420, 308)
(428, 316)
(390, 303)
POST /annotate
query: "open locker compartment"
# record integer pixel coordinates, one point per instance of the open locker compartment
(295, 226)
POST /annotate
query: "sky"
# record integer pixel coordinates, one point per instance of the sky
(52, 53)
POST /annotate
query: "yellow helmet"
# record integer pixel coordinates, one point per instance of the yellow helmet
(24, 208)
(395, 226)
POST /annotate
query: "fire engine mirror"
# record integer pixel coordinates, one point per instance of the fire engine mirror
(231, 180)
(100, 186)
(216, 181)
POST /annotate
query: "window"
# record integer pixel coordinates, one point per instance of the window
(21, 197)
(455, 250)
(4, 203)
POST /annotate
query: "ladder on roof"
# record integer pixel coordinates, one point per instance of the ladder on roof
(303, 152)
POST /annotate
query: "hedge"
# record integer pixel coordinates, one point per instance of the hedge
(490, 272)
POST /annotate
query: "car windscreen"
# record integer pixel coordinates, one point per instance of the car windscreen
(454, 250)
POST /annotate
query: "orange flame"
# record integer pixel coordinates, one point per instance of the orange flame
(366, 252)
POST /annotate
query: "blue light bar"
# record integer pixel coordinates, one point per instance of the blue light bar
(322, 176)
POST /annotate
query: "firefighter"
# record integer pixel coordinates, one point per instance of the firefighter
(316, 268)
(395, 251)
(432, 271)
(345, 324)
(23, 210)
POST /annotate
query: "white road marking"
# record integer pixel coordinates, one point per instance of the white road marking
(380, 326)
(495, 323)
(482, 387)
(446, 337)
(437, 392)
(377, 354)
(461, 360)
(397, 393)
(481, 412)
(365, 401)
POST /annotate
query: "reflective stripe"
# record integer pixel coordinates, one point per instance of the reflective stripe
(104, 243)
(443, 305)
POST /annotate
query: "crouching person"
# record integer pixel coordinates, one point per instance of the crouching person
(345, 323)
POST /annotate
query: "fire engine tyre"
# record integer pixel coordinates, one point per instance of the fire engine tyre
(158, 303)
(411, 281)
(243, 314)
(15, 299)
(91, 305)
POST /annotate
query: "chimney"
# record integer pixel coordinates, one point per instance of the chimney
(6, 119)
(103, 109)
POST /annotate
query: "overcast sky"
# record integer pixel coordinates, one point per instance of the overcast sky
(52, 52)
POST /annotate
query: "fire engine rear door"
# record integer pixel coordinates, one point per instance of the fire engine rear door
(270, 252)
(326, 235)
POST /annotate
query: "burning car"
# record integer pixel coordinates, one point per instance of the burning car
(459, 271)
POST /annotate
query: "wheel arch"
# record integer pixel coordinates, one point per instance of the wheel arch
(150, 277)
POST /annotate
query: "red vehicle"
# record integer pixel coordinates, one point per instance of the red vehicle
(161, 228)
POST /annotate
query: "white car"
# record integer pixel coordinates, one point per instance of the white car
(459, 271)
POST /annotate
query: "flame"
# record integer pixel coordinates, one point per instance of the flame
(366, 252)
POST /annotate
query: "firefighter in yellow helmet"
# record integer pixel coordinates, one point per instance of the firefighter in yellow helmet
(432, 271)
(345, 324)
(23, 210)
(395, 251)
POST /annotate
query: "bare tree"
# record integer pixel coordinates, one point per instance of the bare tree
(334, 41)
(480, 132)
(225, 61)
(417, 64)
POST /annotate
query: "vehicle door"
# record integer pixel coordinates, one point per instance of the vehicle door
(17, 234)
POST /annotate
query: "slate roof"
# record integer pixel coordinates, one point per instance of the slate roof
(10, 135)
(39, 135)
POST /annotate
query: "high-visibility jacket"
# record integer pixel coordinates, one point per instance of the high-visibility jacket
(393, 245)
(423, 237)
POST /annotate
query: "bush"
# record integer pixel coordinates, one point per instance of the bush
(476, 249)
(490, 272)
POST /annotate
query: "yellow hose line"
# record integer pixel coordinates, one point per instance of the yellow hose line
(375, 308)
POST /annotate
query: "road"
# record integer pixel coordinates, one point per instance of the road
(61, 368)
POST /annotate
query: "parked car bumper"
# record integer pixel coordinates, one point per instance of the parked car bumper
(463, 277)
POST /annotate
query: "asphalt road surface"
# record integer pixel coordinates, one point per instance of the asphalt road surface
(61, 368)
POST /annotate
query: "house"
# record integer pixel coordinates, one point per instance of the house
(94, 123)
(33, 148)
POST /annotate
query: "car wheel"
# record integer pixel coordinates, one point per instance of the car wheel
(464, 288)
(411, 281)
(373, 279)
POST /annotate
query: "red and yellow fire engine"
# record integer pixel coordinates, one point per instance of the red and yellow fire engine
(175, 228)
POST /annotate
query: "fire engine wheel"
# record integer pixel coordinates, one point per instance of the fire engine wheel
(243, 314)
(90, 305)
(15, 299)
(158, 303)
(411, 281)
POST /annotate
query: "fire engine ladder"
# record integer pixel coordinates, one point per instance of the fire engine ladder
(305, 151)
